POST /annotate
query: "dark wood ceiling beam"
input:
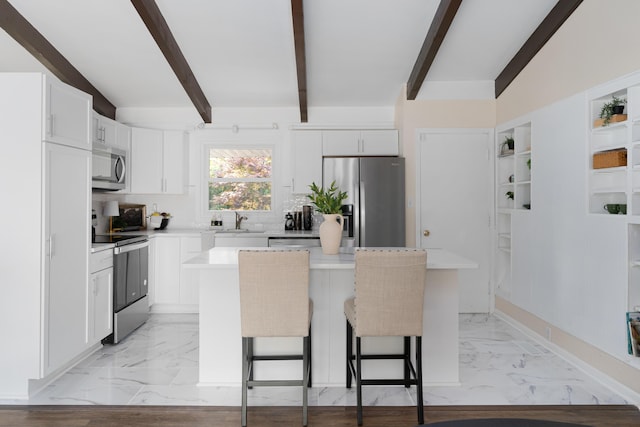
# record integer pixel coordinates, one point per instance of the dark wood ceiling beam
(442, 20)
(547, 28)
(159, 29)
(301, 61)
(26, 35)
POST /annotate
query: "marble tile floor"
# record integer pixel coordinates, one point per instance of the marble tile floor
(158, 365)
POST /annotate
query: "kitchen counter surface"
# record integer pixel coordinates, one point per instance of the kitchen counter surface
(178, 232)
(228, 258)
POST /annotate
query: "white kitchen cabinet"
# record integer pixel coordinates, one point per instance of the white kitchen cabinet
(100, 297)
(174, 162)
(123, 137)
(158, 161)
(381, 142)
(189, 248)
(67, 203)
(241, 241)
(103, 130)
(307, 159)
(174, 290)
(63, 106)
(48, 212)
(166, 278)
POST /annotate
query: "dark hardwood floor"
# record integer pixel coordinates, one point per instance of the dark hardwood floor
(263, 416)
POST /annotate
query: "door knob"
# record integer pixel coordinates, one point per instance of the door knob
(426, 233)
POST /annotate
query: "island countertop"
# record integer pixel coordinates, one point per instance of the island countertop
(228, 258)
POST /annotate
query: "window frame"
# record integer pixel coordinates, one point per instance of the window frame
(235, 146)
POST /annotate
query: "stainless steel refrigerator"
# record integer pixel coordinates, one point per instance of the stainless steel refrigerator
(375, 188)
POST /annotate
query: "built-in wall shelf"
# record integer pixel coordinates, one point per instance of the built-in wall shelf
(512, 194)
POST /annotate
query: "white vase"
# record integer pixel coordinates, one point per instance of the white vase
(331, 233)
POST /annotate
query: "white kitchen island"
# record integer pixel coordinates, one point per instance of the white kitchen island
(331, 282)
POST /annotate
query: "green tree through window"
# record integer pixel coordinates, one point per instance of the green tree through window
(240, 179)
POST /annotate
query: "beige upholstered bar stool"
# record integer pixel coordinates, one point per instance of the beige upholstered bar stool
(389, 296)
(274, 302)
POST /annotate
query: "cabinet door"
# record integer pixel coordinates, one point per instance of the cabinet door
(123, 137)
(307, 160)
(174, 170)
(67, 204)
(189, 248)
(340, 143)
(96, 133)
(379, 142)
(103, 130)
(145, 165)
(67, 115)
(167, 270)
(100, 317)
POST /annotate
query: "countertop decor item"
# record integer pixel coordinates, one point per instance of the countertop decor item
(329, 203)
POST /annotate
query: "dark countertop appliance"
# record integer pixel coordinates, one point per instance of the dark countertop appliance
(130, 283)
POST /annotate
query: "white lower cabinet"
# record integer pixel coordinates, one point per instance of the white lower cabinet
(241, 242)
(173, 290)
(100, 297)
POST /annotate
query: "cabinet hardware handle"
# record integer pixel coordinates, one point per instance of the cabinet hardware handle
(426, 233)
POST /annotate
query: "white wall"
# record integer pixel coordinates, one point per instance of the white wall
(569, 267)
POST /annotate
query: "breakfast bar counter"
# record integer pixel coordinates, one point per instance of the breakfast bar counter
(331, 283)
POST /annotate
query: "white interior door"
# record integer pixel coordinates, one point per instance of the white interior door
(455, 199)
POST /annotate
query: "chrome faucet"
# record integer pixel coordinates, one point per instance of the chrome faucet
(239, 220)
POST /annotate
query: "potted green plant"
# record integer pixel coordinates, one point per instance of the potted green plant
(615, 106)
(507, 145)
(329, 203)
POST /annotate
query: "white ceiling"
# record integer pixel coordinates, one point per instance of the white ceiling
(358, 52)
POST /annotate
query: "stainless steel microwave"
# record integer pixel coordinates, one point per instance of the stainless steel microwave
(109, 166)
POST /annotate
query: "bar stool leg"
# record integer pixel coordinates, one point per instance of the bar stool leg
(420, 402)
(359, 380)
(305, 378)
(407, 360)
(349, 353)
(310, 363)
(245, 377)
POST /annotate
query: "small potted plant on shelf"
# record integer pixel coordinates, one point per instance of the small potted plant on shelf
(329, 203)
(611, 108)
(507, 145)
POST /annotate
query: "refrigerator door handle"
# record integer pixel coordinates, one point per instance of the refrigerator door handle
(362, 215)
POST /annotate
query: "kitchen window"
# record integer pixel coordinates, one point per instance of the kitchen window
(240, 179)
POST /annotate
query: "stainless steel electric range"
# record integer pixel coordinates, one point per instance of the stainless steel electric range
(130, 283)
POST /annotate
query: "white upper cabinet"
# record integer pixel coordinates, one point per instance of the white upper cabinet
(307, 159)
(173, 162)
(63, 105)
(157, 163)
(123, 137)
(103, 130)
(383, 142)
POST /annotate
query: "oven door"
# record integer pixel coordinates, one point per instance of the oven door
(109, 168)
(131, 274)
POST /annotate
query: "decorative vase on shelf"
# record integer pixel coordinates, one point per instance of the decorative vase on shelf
(331, 233)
